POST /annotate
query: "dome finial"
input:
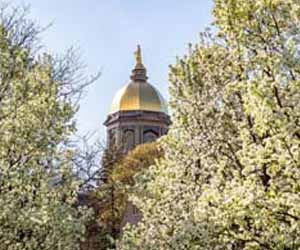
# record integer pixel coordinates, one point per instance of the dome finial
(138, 55)
(139, 73)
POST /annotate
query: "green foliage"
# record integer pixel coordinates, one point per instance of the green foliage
(37, 189)
(137, 160)
(230, 176)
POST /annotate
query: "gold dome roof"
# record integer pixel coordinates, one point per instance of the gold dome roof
(138, 94)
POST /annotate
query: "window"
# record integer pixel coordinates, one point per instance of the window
(129, 140)
(135, 210)
(149, 136)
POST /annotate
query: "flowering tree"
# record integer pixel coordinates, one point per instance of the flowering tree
(230, 177)
(37, 105)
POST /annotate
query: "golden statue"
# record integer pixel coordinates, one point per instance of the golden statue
(138, 55)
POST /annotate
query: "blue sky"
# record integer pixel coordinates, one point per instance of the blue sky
(107, 32)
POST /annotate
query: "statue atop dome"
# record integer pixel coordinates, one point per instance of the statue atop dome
(138, 56)
(139, 73)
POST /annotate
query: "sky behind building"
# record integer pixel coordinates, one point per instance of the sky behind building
(107, 33)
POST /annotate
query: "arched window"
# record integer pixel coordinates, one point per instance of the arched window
(150, 136)
(129, 141)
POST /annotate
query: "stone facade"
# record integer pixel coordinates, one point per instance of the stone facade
(128, 129)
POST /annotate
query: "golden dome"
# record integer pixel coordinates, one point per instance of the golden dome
(138, 94)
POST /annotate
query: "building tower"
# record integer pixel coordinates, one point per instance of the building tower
(138, 114)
